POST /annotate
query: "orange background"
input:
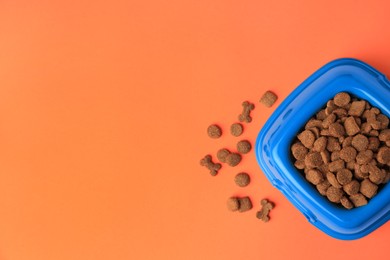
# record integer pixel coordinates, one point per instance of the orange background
(104, 107)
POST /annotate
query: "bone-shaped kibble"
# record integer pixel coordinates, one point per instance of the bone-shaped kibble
(245, 115)
(266, 208)
(213, 167)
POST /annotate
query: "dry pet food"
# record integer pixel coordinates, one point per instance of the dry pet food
(246, 110)
(233, 159)
(236, 129)
(208, 163)
(245, 204)
(344, 151)
(239, 204)
(266, 207)
(214, 131)
(233, 204)
(268, 99)
(222, 154)
(242, 179)
(244, 146)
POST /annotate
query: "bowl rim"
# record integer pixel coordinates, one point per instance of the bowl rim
(272, 146)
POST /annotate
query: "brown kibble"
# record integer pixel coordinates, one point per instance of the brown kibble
(346, 203)
(320, 144)
(246, 110)
(340, 112)
(358, 174)
(360, 142)
(268, 99)
(358, 200)
(325, 156)
(315, 131)
(313, 123)
(266, 207)
(364, 157)
(344, 176)
(335, 156)
(384, 135)
(330, 106)
(236, 129)
(342, 99)
(334, 194)
(336, 130)
(322, 187)
(233, 159)
(313, 159)
(233, 204)
(357, 108)
(374, 133)
(325, 132)
(299, 151)
(222, 154)
(373, 143)
(348, 154)
(300, 164)
(365, 128)
(333, 145)
(321, 114)
(314, 176)
(352, 187)
(307, 138)
(245, 204)
(368, 189)
(347, 141)
(375, 174)
(384, 121)
(351, 165)
(351, 127)
(332, 180)
(330, 119)
(208, 163)
(383, 155)
(214, 131)
(244, 146)
(336, 165)
(242, 179)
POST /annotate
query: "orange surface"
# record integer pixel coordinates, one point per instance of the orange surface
(103, 111)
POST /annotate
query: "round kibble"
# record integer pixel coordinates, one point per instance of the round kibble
(383, 155)
(300, 164)
(214, 131)
(307, 138)
(333, 144)
(314, 176)
(336, 165)
(373, 143)
(348, 154)
(236, 129)
(222, 154)
(364, 157)
(313, 159)
(233, 159)
(384, 135)
(336, 130)
(375, 174)
(299, 151)
(344, 176)
(334, 194)
(242, 179)
(342, 99)
(320, 144)
(360, 142)
(384, 121)
(368, 189)
(233, 204)
(352, 187)
(244, 146)
(346, 203)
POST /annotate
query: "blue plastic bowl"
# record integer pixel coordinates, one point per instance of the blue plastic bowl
(275, 138)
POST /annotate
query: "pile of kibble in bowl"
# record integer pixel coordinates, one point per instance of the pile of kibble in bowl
(344, 151)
